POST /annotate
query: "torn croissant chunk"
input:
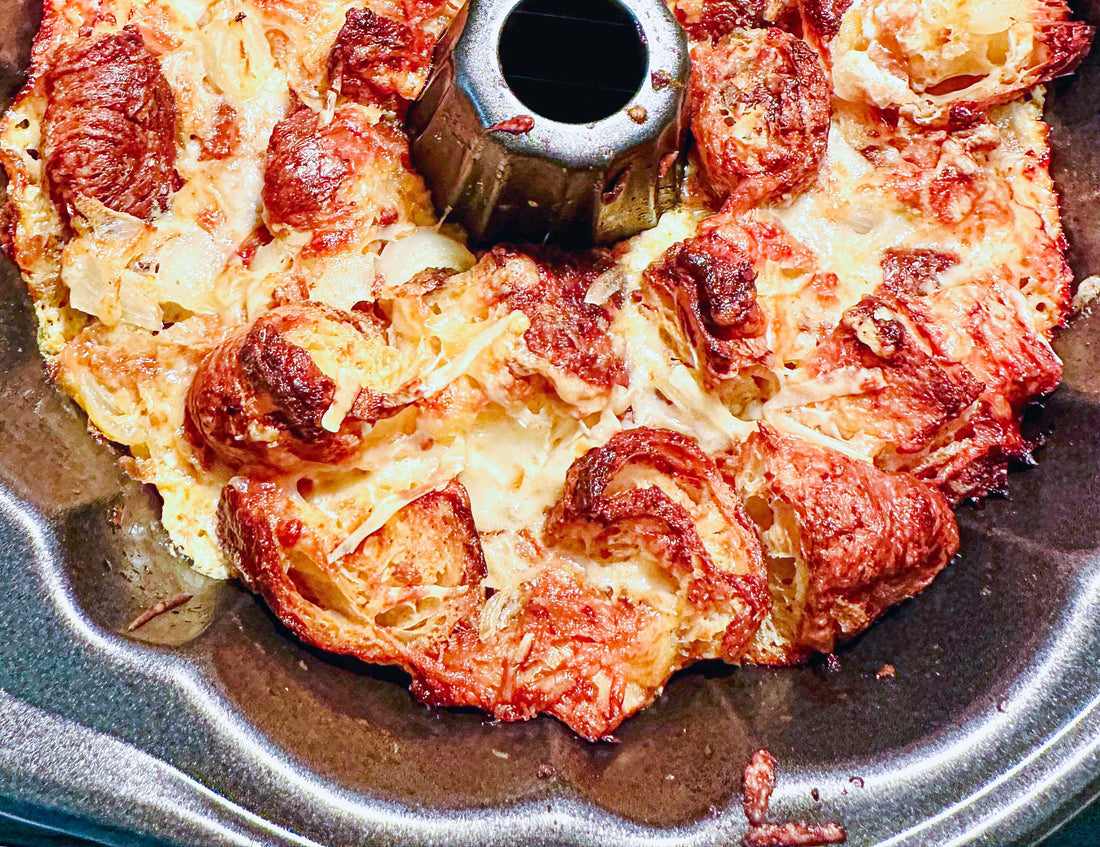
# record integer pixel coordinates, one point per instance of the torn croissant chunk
(648, 563)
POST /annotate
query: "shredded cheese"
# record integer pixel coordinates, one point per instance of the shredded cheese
(133, 277)
(440, 376)
(347, 390)
(389, 506)
(785, 423)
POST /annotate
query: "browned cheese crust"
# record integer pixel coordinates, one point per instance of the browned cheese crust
(711, 19)
(379, 60)
(411, 594)
(334, 177)
(710, 283)
(568, 335)
(760, 114)
(600, 511)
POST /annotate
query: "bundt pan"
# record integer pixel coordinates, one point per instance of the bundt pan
(581, 146)
(213, 726)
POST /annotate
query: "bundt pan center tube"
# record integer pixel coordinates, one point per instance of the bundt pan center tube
(554, 119)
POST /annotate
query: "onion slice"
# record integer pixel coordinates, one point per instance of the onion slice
(422, 249)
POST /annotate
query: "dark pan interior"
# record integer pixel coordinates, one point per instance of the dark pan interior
(214, 726)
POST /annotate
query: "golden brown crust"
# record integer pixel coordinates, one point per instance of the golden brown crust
(502, 376)
(983, 325)
(821, 20)
(555, 642)
(261, 397)
(559, 644)
(379, 60)
(566, 650)
(600, 513)
(948, 66)
(936, 377)
(713, 19)
(909, 272)
(909, 395)
(568, 337)
(980, 324)
(943, 173)
(711, 283)
(1063, 45)
(760, 106)
(867, 539)
(316, 171)
(110, 126)
(393, 600)
(971, 458)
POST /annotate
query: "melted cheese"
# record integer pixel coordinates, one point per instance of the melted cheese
(442, 375)
(347, 389)
(132, 278)
(924, 57)
(847, 223)
(436, 479)
(514, 470)
(665, 394)
(647, 247)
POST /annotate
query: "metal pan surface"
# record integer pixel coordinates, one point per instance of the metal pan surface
(213, 726)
